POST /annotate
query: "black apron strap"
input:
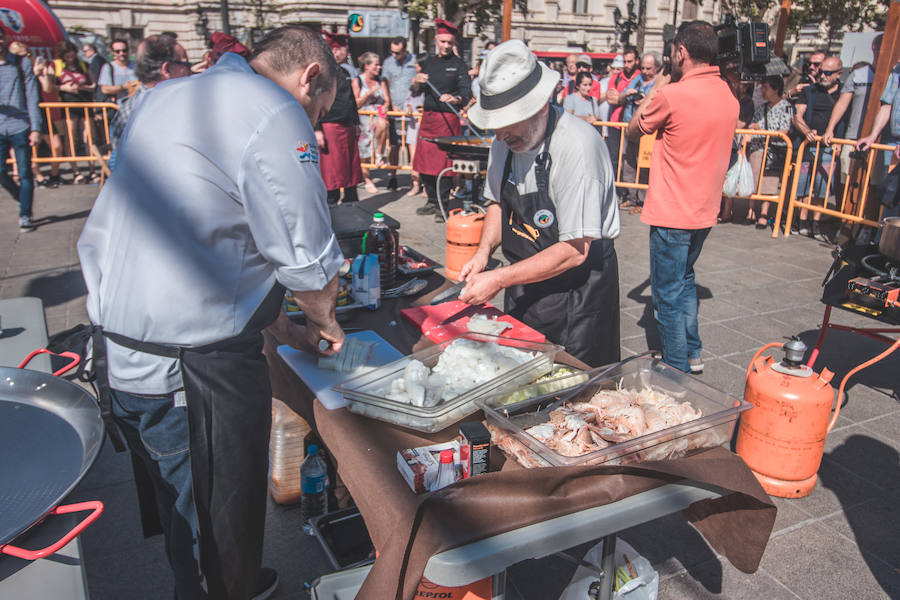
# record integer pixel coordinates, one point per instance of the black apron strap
(101, 372)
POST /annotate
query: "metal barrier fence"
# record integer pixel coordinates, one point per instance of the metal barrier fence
(91, 121)
(405, 158)
(810, 168)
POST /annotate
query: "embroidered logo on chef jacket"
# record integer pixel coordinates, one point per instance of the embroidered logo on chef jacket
(307, 152)
(543, 218)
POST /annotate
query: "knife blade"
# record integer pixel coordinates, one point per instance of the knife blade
(451, 293)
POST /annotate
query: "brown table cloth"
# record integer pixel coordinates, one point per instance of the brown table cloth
(407, 529)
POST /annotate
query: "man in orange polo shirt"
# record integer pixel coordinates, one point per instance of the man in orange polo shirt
(693, 119)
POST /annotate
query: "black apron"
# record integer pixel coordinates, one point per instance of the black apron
(229, 402)
(578, 309)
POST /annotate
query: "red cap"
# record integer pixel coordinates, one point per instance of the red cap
(445, 27)
(220, 43)
(446, 456)
(336, 40)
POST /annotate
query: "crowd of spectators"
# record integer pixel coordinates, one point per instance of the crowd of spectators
(816, 102)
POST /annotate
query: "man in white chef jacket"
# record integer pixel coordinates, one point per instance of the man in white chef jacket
(216, 207)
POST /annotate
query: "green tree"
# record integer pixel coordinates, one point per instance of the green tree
(485, 13)
(752, 10)
(839, 16)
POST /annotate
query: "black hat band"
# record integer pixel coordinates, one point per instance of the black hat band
(518, 91)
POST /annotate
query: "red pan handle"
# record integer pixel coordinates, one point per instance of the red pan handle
(75, 360)
(96, 508)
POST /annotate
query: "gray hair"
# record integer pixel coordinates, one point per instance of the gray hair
(293, 47)
(656, 56)
(152, 53)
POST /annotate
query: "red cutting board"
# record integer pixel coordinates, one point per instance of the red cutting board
(450, 319)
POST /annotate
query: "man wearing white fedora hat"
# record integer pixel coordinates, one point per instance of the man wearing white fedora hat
(553, 213)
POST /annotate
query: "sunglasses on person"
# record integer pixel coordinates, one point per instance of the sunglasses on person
(813, 64)
(118, 50)
(830, 73)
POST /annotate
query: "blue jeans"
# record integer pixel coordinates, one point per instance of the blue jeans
(673, 253)
(157, 433)
(824, 165)
(24, 192)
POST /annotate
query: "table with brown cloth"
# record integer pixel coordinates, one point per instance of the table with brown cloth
(407, 529)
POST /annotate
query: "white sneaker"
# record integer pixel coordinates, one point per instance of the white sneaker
(696, 365)
(26, 225)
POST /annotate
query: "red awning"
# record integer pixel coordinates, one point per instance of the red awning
(32, 23)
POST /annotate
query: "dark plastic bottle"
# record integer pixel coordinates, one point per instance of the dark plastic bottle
(380, 241)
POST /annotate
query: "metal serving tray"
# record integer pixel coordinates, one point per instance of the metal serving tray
(363, 393)
(714, 428)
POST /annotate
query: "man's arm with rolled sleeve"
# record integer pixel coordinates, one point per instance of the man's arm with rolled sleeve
(32, 100)
(288, 216)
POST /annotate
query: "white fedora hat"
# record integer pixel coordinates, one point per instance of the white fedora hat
(514, 86)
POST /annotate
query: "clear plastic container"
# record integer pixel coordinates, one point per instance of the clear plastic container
(286, 453)
(714, 428)
(364, 394)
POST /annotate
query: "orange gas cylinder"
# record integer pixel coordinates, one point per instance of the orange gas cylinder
(463, 235)
(783, 436)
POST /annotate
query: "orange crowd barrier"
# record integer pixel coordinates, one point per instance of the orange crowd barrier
(819, 165)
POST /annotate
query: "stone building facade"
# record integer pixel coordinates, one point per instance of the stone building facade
(577, 25)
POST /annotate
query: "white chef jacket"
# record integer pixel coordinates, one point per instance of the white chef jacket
(216, 195)
(582, 181)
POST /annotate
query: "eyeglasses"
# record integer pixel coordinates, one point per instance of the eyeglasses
(117, 50)
(830, 73)
(814, 64)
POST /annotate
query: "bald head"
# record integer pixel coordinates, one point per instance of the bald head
(831, 71)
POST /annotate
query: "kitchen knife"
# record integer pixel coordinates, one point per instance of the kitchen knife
(451, 293)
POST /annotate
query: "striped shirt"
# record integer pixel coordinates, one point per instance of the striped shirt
(19, 109)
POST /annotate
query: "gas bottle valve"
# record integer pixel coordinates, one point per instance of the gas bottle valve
(794, 351)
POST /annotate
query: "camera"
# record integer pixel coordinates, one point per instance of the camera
(743, 46)
(858, 155)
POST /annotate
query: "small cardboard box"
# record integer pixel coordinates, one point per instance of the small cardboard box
(475, 448)
(419, 466)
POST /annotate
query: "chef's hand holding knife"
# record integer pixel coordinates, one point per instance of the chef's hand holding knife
(482, 285)
(322, 334)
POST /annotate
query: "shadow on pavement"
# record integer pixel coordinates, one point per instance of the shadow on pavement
(57, 289)
(866, 525)
(48, 219)
(647, 321)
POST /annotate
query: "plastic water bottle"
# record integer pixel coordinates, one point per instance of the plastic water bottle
(380, 241)
(314, 486)
(446, 474)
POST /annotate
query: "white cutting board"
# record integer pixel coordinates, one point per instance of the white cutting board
(320, 381)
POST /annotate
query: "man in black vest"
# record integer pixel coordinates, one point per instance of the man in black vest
(554, 211)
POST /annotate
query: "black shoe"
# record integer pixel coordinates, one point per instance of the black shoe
(818, 234)
(439, 218)
(428, 209)
(268, 581)
(392, 183)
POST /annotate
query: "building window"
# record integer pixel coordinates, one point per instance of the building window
(690, 10)
(580, 6)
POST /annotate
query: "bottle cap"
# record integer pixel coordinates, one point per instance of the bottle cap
(446, 456)
(378, 217)
(312, 450)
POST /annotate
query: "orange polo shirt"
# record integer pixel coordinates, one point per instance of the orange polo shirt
(694, 121)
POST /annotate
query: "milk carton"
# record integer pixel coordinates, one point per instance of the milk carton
(367, 281)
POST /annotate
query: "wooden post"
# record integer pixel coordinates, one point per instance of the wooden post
(506, 31)
(888, 56)
(782, 27)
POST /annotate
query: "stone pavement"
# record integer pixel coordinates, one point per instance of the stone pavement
(838, 543)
